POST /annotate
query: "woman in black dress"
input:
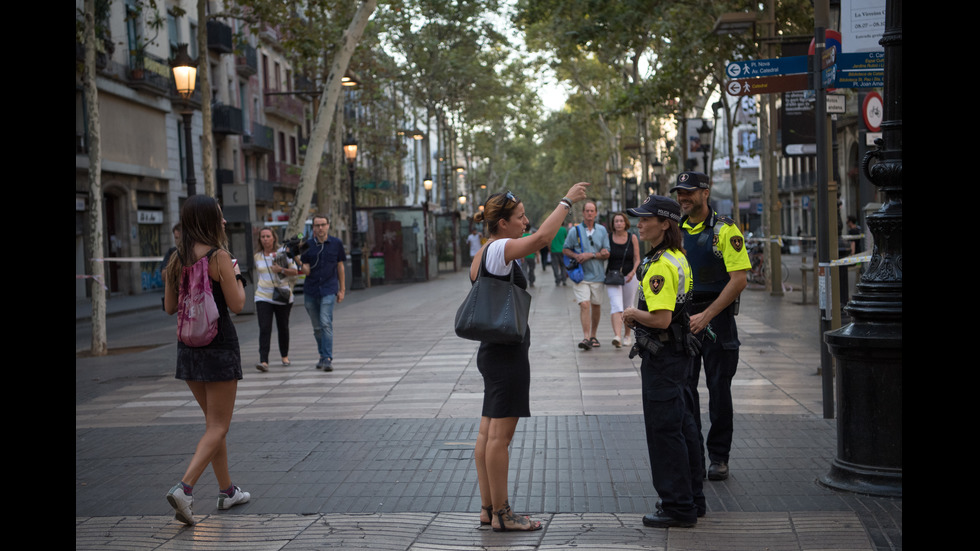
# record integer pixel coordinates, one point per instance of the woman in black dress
(505, 368)
(211, 371)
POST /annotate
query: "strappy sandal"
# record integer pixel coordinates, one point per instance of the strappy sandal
(531, 525)
(585, 344)
(489, 510)
(594, 342)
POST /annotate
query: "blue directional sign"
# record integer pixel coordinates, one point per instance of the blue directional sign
(861, 61)
(860, 70)
(750, 68)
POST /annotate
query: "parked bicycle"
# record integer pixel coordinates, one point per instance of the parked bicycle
(758, 273)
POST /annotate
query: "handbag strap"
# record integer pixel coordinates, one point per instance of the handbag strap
(629, 242)
(484, 272)
(268, 267)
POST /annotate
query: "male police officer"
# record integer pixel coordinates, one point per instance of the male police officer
(716, 250)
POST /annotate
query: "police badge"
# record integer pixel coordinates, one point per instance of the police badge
(737, 243)
(657, 284)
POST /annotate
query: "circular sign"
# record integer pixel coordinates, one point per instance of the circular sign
(734, 87)
(873, 111)
(734, 69)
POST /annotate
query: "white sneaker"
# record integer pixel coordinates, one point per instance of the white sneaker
(226, 502)
(182, 504)
(617, 342)
(628, 340)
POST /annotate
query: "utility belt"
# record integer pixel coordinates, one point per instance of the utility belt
(701, 300)
(650, 342)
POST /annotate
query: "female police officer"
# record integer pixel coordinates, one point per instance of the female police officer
(663, 340)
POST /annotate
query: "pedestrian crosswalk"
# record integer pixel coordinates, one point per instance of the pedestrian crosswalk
(408, 363)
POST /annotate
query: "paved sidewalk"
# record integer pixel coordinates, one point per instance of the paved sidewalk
(378, 454)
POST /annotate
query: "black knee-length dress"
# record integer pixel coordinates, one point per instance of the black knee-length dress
(505, 368)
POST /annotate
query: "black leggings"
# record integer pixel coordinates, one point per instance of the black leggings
(265, 311)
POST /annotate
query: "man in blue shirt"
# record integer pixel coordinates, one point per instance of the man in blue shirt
(323, 265)
(588, 243)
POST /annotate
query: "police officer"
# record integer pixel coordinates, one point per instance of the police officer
(716, 250)
(667, 348)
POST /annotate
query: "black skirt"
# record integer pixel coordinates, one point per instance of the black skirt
(506, 378)
(220, 360)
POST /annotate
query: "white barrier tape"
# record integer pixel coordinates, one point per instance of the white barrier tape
(848, 260)
(129, 259)
(96, 278)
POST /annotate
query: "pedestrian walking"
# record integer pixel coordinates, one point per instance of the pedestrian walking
(716, 250)
(624, 259)
(273, 295)
(664, 342)
(588, 243)
(211, 371)
(506, 367)
(556, 246)
(323, 265)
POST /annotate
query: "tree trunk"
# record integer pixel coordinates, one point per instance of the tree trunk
(94, 241)
(324, 118)
(204, 71)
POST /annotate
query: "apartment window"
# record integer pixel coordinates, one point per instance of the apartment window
(282, 147)
(289, 79)
(265, 72)
(292, 150)
(192, 48)
(173, 32)
(278, 77)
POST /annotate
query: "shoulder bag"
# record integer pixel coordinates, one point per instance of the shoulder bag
(495, 310)
(574, 269)
(280, 292)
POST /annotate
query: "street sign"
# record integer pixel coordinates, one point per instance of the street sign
(864, 61)
(860, 70)
(835, 103)
(750, 68)
(767, 85)
(860, 79)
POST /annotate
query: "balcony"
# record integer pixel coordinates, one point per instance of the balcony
(260, 139)
(226, 119)
(284, 106)
(219, 37)
(149, 74)
(246, 61)
(264, 190)
(224, 176)
(284, 175)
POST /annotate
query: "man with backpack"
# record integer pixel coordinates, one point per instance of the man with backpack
(323, 265)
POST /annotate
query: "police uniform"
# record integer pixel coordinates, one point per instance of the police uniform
(671, 432)
(714, 247)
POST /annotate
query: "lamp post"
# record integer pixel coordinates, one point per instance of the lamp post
(350, 154)
(185, 77)
(869, 350)
(704, 134)
(427, 184)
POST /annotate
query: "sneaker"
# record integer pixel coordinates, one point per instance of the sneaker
(628, 340)
(182, 504)
(226, 502)
(617, 342)
(327, 364)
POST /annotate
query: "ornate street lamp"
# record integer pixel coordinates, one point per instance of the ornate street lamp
(350, 154)
(185, 77)
(704, 134)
